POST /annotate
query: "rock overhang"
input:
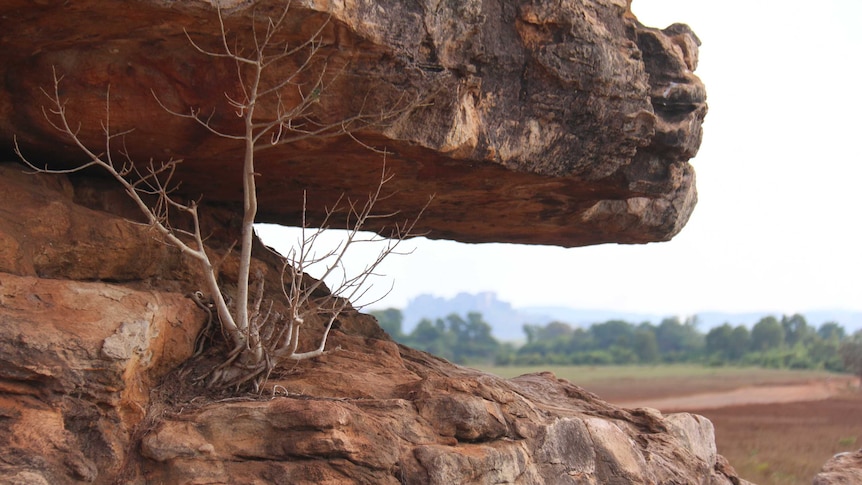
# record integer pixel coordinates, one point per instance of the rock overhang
(568, 125)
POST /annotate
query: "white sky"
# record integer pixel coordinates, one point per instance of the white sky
(778, 223)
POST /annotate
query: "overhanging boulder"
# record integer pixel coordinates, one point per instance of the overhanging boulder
(567, 124)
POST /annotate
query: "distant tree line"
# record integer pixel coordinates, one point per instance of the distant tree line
(611, 342)
(786, 343)
(460, 340)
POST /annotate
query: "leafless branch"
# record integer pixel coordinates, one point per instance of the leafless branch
(259, 335)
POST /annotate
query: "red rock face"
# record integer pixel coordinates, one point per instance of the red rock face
(566, 125)
(90, 372)
(569, 124)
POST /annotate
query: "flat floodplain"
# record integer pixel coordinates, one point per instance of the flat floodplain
(782, 443)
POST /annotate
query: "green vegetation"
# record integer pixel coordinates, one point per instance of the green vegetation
(851, 354)
(847, 442)
(452, 338)
(786, 343)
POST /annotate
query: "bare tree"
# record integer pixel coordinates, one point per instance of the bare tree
(274, 111)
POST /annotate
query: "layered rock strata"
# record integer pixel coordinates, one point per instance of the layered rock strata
(95, 340)
(569, 124)
(564, 123)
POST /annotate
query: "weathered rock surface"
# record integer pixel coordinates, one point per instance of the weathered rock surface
(841, 469)
(565, 123)
(569, 124)
(89, 386)
(77, 363)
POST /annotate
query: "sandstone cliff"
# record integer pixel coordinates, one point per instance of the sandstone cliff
(566, 125)
(95, 337)
(572, 119)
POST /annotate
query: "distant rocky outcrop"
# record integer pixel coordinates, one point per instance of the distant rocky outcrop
(564, 123)
(507, 323)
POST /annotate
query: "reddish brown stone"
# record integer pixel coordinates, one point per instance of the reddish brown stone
(95, 386)
(567, 124)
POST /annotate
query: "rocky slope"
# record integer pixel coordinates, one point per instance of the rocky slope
(571, 118)
(568, 125)
(95, 336)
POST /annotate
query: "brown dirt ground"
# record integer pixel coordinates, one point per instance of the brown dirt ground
(776, 434)
(787, 443)
(770, 394)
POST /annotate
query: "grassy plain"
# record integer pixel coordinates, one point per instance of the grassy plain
(768, 444)
(630, 382)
